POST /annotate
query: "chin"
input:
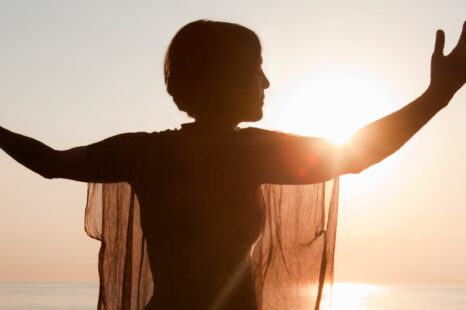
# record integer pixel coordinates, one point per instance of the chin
(254, 117)
(249, 113)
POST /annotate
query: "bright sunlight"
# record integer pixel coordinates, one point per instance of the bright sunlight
(350, 296)
(333, 102)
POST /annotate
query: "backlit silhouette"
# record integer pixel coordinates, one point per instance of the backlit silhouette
(196, 188)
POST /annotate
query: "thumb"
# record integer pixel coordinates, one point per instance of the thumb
(439, 43)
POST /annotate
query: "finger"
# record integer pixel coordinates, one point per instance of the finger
(439, 43)
(462, 39)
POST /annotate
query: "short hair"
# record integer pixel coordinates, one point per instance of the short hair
(204, 61)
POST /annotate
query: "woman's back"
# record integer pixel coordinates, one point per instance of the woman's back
(197, 199)
(199, 216)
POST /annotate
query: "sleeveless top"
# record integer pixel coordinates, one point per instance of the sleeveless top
(192, 226)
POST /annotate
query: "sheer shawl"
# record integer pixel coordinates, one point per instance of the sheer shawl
(292, 261)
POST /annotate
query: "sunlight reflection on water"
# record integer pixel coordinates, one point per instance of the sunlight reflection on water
(357, 296)
(350, 296)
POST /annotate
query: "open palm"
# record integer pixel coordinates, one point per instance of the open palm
(448, 73)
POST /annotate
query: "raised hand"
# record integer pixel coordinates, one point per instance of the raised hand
(448, 73)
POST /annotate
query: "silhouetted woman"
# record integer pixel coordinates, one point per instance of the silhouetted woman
(197, 185)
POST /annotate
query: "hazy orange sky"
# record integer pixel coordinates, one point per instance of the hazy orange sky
(72, 73)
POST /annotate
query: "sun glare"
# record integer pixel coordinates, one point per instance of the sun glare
(333, 102)
(350, 296)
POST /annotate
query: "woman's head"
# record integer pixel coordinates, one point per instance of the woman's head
(213, 70)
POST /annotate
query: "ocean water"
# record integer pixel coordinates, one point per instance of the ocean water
(347, 296)
(48, 296)
(355, 296)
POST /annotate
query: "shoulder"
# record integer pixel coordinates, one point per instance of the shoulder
(263, 131)
(266, 135)
(144, 136)
(127, 141)
(278, 141)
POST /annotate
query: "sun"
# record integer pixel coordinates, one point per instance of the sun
(333, 102)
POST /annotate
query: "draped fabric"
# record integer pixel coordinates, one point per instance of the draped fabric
(291, 261)
(113, 217)
(294, 256)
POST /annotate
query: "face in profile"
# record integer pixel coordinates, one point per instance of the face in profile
(248, 97)
(213, 72)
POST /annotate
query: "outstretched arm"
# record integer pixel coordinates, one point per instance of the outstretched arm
(383, 137)
(41, 158)
(295, 159)
(111, 160)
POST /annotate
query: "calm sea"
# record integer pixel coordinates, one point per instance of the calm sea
(347, 296)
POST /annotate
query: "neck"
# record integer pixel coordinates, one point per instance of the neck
(216, 123)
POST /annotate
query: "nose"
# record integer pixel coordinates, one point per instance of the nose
(265, 81)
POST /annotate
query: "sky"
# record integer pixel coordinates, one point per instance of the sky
(76, 72)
